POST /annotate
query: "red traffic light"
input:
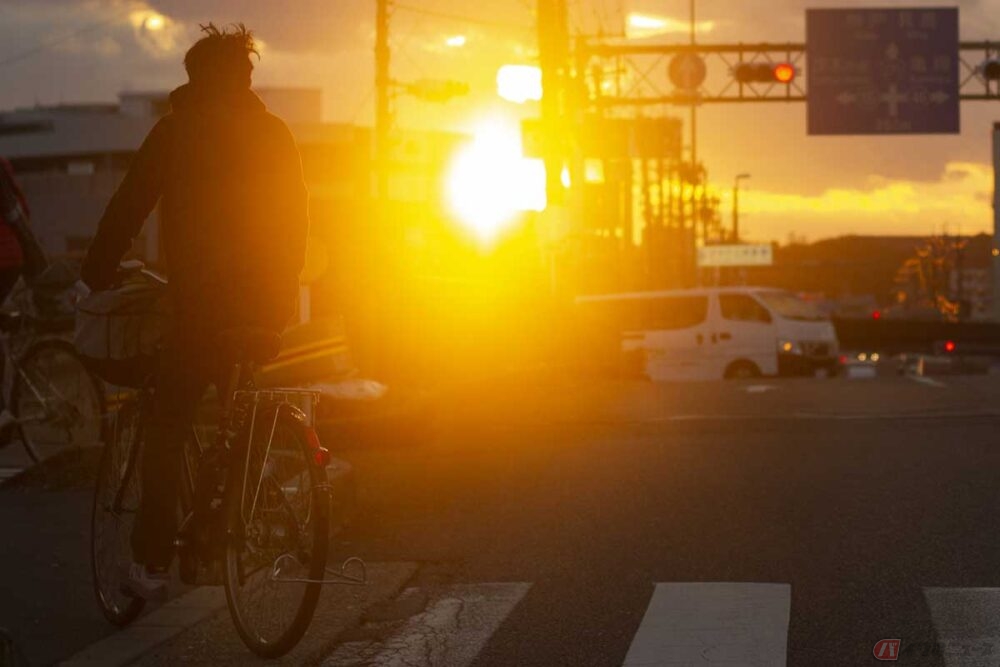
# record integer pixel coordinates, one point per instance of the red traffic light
(949, 346)
(784, 73)
(764, 73)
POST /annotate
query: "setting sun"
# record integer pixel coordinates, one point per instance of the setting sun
(490, 182)
(519, 83)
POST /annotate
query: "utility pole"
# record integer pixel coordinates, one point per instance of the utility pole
(694, 104)
(383, 101)
(553, 54)
(995, 251)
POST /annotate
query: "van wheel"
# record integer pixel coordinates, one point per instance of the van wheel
(742, 370)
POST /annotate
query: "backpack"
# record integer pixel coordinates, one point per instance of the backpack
(119, 331)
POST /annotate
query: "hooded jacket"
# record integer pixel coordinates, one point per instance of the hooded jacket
(233, 211)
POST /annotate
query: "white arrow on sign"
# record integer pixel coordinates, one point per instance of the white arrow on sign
(893, 98)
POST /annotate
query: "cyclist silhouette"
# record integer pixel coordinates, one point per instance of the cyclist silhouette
(233, 224)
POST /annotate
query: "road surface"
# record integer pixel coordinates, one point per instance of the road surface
(564, 522)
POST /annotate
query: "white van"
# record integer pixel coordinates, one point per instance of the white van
(717, 332)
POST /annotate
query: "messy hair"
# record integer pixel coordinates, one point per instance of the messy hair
(222, 54)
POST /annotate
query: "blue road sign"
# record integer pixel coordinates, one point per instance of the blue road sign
(883, 71)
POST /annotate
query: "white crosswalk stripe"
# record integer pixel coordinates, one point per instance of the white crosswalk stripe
(685, 624)
(450, 632)
(713, 624)
(967, 625)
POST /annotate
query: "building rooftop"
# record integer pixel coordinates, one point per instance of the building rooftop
(103, 128)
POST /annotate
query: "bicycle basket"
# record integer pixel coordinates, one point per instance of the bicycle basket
(119, 331)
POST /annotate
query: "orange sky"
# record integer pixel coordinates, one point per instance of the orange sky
(815, 187)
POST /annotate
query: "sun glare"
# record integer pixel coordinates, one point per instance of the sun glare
(519, 83)
(490, 182)
(456, 41)
(639, 26)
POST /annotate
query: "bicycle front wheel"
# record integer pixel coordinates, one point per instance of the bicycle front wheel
(116, 501)
(277, 515)
(57, 402)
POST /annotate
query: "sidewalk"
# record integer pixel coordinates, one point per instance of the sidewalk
(47, 600)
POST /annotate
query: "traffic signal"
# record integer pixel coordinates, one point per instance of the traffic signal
(764, 73)
(990, 69)
(784, 73)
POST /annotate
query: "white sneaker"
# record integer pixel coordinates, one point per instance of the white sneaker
(141, 583)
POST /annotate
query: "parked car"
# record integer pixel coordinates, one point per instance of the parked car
(718, 332)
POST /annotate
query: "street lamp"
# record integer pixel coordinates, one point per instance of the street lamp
(736, 205)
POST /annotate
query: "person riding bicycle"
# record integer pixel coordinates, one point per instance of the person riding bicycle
(233, 224)
(13, 204)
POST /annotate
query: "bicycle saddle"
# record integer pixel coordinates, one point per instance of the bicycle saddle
(253, 344)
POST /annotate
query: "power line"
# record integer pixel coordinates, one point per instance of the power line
(462, 18)
(46, 44)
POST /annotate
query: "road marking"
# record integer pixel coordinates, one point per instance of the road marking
(930, 382)
(819, 416)
(966, 626)
(450, 632)
(713, 624)
(759, 388)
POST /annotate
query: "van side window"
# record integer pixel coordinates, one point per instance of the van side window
(742, 308)
(674, 312)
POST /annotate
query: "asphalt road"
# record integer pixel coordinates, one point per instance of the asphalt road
(582, 507)
(860, 495)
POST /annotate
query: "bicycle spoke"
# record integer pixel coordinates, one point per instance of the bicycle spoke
(270, 569)
(57, 402)
(111, 525)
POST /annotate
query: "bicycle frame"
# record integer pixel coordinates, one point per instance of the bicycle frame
(242, 405)
(133, 455)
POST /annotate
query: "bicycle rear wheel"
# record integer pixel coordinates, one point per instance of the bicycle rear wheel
(277, 516)
(58, 403)
(116, 501)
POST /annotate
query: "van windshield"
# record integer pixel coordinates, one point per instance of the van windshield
(791, 307)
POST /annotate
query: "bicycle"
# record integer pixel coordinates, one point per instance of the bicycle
(255, 503)
(52, 401)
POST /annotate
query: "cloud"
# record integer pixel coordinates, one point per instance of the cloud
(85, 50)
(960, 199)
(89, 50)
(158, 34)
